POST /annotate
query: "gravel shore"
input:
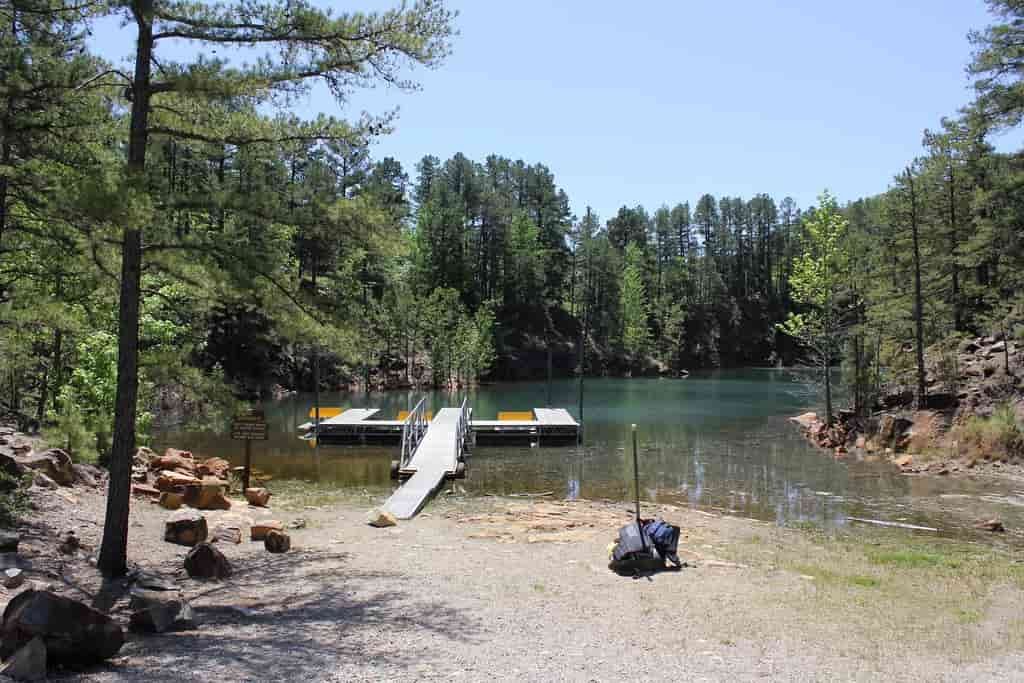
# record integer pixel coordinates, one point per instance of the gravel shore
(502, 590)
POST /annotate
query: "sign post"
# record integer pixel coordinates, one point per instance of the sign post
(248, 427)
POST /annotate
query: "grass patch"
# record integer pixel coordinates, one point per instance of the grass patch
(825, 575)
(297, 495)
(999, 437)
(912, 559)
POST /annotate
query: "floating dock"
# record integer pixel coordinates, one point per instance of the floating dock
(361, 425)
(433, 447)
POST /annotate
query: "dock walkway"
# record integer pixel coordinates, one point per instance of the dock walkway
(436, 458)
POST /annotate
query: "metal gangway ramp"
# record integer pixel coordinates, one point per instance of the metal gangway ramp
(428, 459)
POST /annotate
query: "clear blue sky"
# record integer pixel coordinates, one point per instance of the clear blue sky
(659, 102)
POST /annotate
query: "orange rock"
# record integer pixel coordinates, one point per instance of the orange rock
(215, 467)
(208, 494)
(257, 497)
(261, 529)
(174, 462)
(171, 481)
(904, 461)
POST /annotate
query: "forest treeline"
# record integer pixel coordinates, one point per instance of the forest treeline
(170, 232)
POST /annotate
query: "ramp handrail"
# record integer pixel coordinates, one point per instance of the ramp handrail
(462, 430)
(413, 428)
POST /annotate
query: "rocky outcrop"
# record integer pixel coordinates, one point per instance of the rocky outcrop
(54, 463)
(74, 634)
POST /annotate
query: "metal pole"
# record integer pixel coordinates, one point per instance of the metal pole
(248, 465)
(316, 401)
(636, 476)
(636, 485)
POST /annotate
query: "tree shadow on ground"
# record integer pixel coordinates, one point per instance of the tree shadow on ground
(302, 615)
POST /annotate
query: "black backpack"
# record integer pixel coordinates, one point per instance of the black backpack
(638, 550)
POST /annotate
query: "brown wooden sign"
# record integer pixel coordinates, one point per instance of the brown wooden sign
(250, 426)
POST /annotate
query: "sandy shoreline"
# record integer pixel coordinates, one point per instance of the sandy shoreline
(500, 589)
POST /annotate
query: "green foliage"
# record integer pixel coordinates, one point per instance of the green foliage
(633, 303)
(14, 498)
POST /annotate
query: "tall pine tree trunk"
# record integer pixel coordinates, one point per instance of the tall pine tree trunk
(113, 559)
(918, 303)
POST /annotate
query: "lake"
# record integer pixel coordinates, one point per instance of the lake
(717, 440)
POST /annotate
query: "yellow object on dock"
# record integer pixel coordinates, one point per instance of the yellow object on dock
(325, 412)
(516, 416)
(428, 415)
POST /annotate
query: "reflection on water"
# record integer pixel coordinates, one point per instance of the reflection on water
(718, 440)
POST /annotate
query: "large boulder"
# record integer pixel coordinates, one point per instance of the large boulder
(186, 528)
(54, 463)
(206, 562)
(257, 497)
(28, 663)
(214, 467)
(806, 421)
(74, 634)
(159, 612)
(208, 494)
(277, 542)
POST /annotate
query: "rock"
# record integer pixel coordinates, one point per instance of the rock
(226, 534)
(86, 475)
(69, 544)
(806, 420)
(186, 528)
(9, 541)
(54, 463)
(206, 562)
(156, 582)
(20, 446)
(145, 490)
(143, 457)
(169, 500)
(13, 469)
(44, 482)
(298, 523)
(173, 481)
(257, 497)
(968, 346)
(28, 663)
(904, 461)
(380, 518)
(993, 525)
(173, 459)
(159, 612)
(261, 529)
(861, 442)
(998, 347)
(214, 467)
(13, 578)
(208, 495)
(277, 541)
(74, 634)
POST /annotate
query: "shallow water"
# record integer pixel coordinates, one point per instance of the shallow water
(718, 440)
